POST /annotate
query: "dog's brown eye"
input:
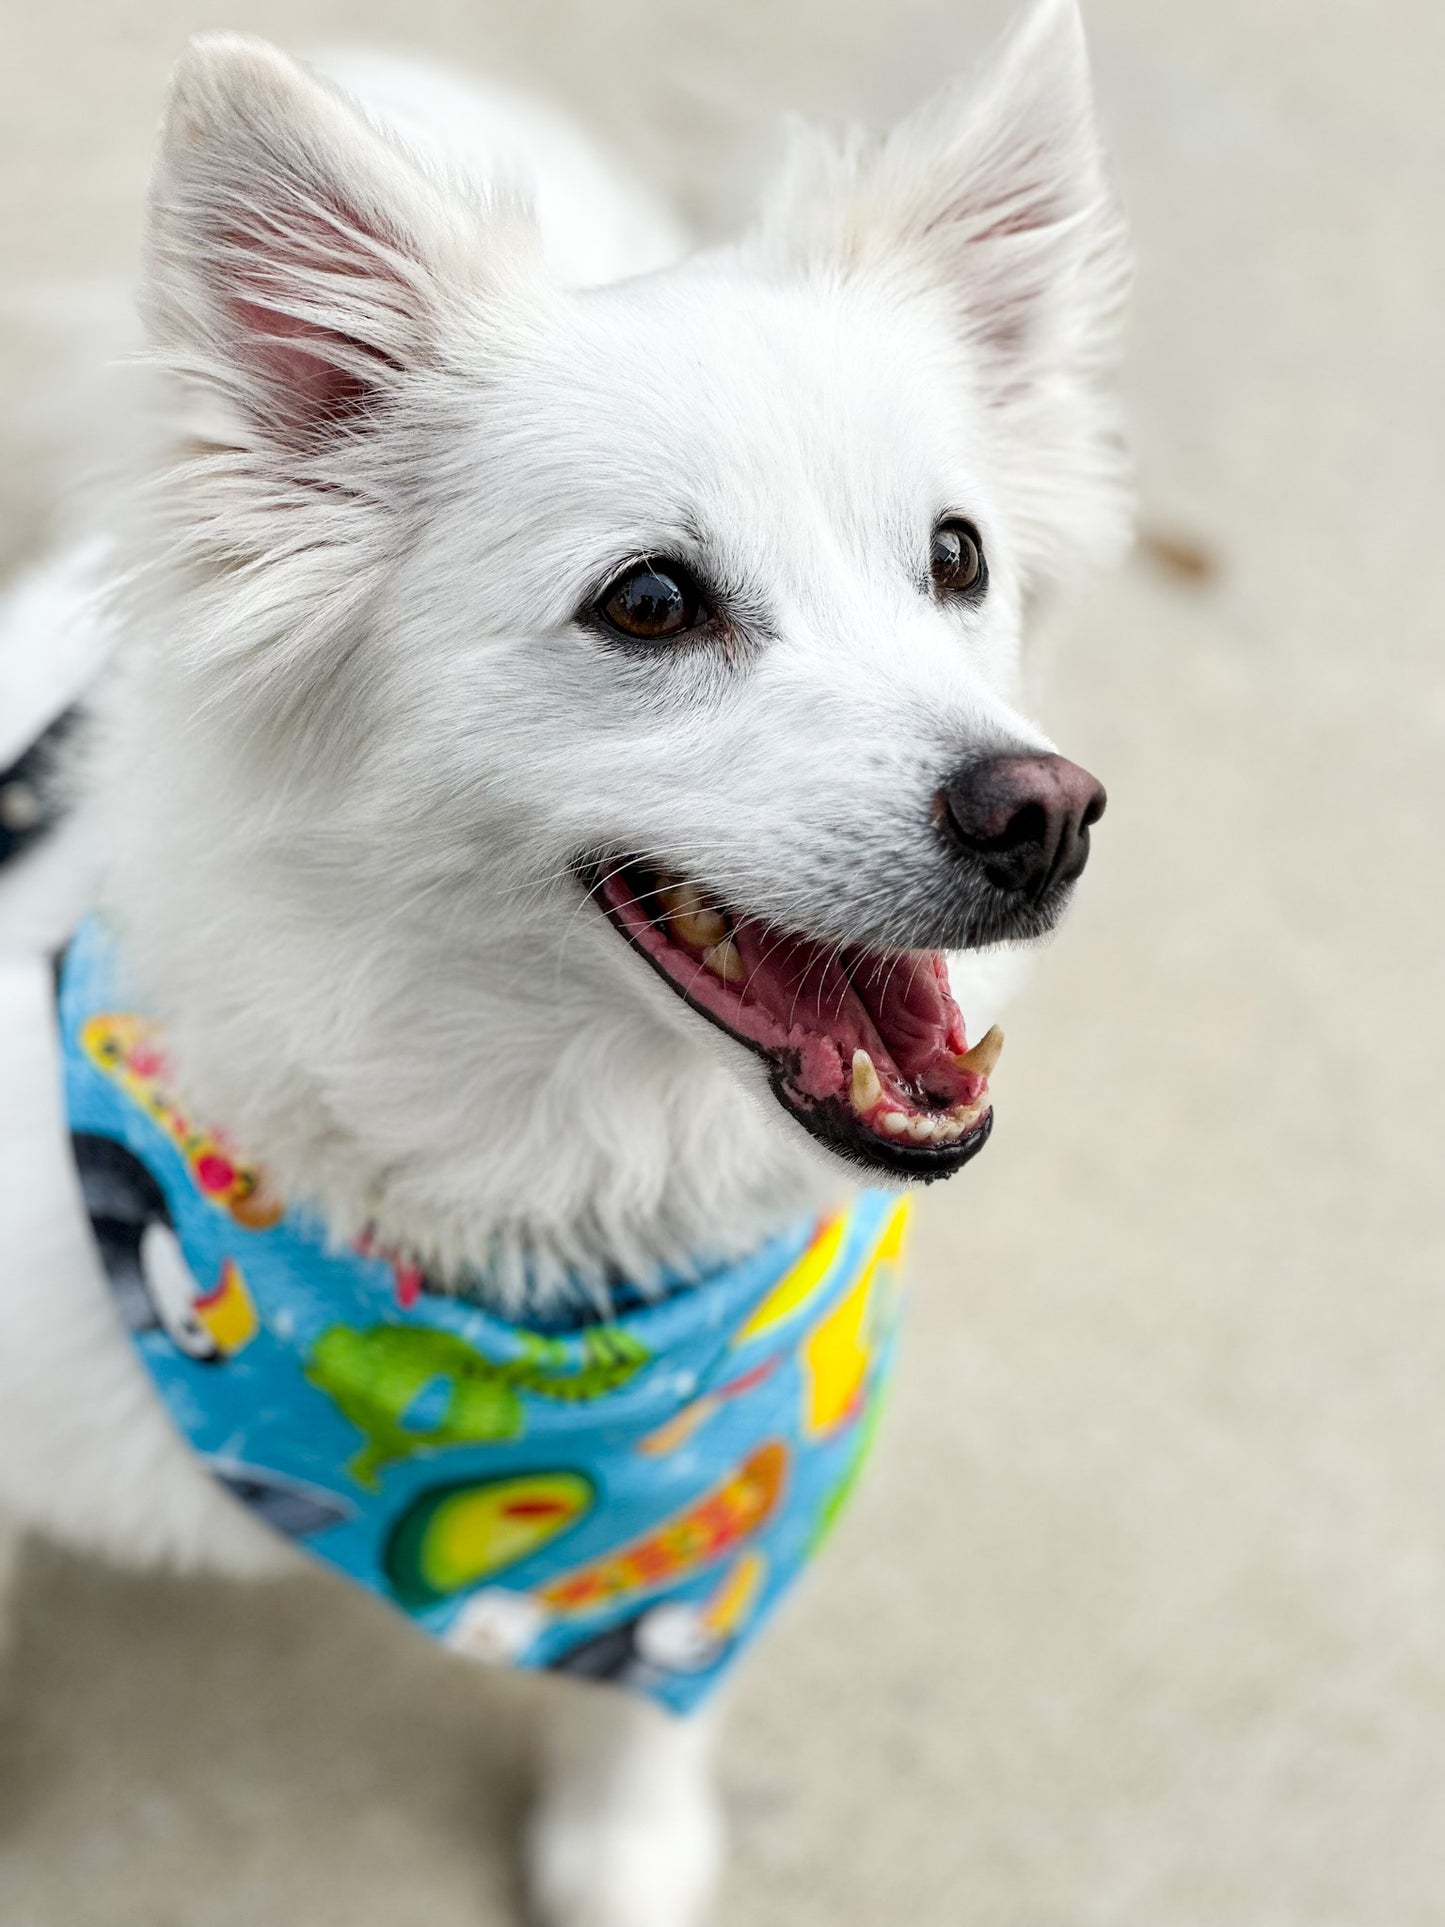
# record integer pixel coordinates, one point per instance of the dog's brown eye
(653, 602)
(956, 559)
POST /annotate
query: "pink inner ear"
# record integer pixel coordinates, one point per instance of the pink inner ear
(1008, 304)
(299, 362)
(283, 267)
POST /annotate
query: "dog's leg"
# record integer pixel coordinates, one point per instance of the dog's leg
(627, 1831)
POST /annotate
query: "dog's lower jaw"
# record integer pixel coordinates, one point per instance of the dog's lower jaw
(627, 1830)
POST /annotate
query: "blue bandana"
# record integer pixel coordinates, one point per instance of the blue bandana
(623, 1499)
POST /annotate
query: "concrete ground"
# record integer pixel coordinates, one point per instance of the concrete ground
(1141, 1620)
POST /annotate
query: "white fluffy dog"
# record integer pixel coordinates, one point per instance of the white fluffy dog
(564, 695)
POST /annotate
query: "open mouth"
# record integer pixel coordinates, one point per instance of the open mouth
(866, 1047)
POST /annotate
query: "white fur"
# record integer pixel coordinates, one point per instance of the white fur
(352, 736)
(626, 1831)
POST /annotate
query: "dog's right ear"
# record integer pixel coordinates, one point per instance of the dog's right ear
(300, 264)
(992, 199)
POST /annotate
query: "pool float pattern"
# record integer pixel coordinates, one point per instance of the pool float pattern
(623, 1499)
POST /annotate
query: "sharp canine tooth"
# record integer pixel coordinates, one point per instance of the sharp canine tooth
(866, 1091)
(984, 1055)
(723, 961)
(894, 1123)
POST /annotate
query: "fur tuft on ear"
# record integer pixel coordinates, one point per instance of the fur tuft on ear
(316, 299)
(993, 197)
(299, 262)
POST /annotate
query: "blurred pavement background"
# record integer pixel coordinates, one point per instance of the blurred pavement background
(1141, 1620)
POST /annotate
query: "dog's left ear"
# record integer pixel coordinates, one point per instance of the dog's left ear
(993, 197)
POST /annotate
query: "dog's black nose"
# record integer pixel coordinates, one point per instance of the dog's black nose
(1026, 820)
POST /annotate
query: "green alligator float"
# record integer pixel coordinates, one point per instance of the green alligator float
(377, 1379)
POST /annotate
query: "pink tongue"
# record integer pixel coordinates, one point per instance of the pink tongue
(825, 1004)
(909, 1000)
(799, 983)
(812, 1005)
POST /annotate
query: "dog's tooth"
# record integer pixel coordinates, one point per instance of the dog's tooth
(866, 1090)
(920, 1129)
(681, 899)
(692, 916)
(701, 928)
(723, 961)
(894, 1123)
(984, 1055)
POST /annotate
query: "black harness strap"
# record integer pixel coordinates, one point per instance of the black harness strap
(29, 804)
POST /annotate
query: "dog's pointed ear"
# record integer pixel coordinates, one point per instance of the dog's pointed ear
(300, 263)
(993, 198)
(998, 185)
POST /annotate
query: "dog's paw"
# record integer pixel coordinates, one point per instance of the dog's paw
(616, 1866)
